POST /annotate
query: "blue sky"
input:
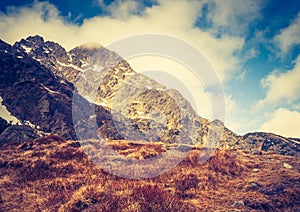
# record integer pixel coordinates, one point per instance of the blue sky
(253, 46)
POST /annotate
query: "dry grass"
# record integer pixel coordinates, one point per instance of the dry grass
(51, 174)
(137, 150)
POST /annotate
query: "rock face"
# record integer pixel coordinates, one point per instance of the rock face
(3, 125)
(269, 142)
(35, 95)
(17, 134)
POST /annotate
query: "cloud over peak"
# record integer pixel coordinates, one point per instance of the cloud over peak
(166, 17)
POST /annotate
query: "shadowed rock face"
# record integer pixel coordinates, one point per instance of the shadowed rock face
(17, 135)
(3, 125)
(35, 95)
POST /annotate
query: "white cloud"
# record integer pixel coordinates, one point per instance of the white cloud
(282, 86)
(283, 122)
(41, 18)
(234, 16)
(121, 9)
(168, 17)
(238, 119)
(289, 36)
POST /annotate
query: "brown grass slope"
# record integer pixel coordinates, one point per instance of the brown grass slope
(51, 174)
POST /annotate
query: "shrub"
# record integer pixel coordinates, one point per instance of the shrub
(93, 198)
(225, 163)
(154, 198)
(185, 183)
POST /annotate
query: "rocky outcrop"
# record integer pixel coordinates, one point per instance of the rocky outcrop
(51, 55)
(17, 134)
(269, 142)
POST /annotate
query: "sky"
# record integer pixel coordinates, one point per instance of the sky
(253, 46)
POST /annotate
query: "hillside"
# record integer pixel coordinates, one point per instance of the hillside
(51, 174)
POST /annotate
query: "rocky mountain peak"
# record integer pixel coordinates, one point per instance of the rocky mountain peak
(36, 40)
(39, 49)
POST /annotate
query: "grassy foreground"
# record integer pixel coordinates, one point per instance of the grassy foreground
(51, 174)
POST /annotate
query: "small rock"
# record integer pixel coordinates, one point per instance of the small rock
(288, 166)
(255, 170)
(238, 203)
(255, 184)
(256, 152)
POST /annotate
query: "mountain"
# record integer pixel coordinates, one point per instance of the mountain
(155, 112)
(41, 81)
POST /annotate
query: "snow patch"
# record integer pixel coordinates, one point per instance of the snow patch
(89, 99)
(36, 128)
(97, 68)
(32, 125)
(27, 49)
(70, 57)
(46, 50)
(5, 114)
(103, 104)
(85, 65)
(20, 56)
(297, 142)
(129, 74)
(49, 90)
(63, 82)
(70, 65)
